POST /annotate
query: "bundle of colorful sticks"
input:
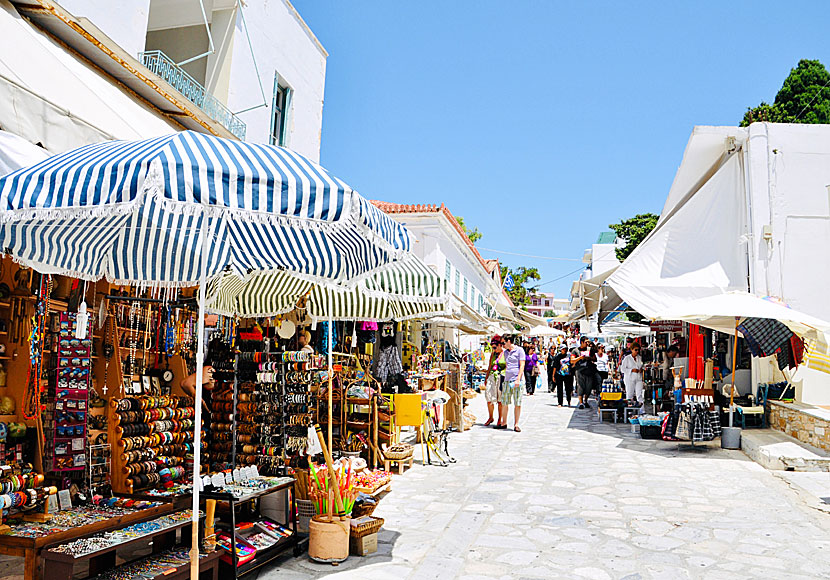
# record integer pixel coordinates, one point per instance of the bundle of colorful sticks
(321, 490)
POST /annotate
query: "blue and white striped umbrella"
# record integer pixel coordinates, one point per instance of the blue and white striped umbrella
(132, 211)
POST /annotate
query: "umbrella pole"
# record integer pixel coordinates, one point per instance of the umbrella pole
(197, 405)
(734, 363)
(331, 370)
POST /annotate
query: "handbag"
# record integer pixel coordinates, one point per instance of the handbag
(535, 371)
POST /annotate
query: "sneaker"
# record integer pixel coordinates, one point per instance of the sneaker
(580, 406)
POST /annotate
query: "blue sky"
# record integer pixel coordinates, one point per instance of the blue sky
(542, 122)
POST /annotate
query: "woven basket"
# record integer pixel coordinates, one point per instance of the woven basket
(305, 511)
(399, 451)
(363, 510)
(366, 529)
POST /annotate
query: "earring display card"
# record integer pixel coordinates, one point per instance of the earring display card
(65, 414)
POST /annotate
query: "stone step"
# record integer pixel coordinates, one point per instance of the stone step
(778, 451)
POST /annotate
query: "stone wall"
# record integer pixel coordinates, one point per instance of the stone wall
(797, 423)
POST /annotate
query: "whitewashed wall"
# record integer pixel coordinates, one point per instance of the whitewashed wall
(282, 43)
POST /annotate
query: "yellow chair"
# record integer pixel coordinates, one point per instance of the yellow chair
(409, 413)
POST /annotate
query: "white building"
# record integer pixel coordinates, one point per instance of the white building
(442, 244)
(543, 302)
(602, 257)
(248, 70)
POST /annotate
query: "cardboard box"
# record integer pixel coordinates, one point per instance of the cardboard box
(365, 545)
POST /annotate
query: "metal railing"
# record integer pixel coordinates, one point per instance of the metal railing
(161, 64)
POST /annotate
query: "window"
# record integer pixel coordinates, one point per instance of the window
(465, 290)
(457, 283)
(280, 105)
(448, 272)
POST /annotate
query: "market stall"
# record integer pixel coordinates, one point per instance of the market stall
(162, 213)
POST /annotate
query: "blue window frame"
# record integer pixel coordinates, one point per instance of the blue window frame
(280, 105)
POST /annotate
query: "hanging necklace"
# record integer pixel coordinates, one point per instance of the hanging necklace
(133, 336)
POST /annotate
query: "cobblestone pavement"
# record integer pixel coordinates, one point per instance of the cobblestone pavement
(570, 497)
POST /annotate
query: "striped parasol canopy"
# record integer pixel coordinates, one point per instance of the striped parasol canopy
(402, 290)
(132, 212)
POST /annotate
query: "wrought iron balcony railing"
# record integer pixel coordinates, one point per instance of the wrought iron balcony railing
(160, 64)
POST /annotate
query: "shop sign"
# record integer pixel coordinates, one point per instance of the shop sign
(666, 325)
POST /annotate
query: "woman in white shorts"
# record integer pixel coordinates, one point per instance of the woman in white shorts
(495, 377)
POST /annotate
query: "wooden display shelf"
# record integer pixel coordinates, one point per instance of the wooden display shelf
(31, 548)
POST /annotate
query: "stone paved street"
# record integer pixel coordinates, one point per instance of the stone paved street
(571, 498)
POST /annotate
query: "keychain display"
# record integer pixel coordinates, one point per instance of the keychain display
(65, 412)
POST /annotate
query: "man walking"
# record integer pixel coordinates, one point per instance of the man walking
(514, 359)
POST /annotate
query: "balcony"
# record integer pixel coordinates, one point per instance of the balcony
(160, 64)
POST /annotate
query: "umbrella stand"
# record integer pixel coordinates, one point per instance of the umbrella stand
(197, 404)
(734, 362)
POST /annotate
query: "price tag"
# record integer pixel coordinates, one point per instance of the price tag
(256, 471)
(246, 473)
(237, 477)
(64, 499)
(205, 481)
(218, 480)
(337, 368)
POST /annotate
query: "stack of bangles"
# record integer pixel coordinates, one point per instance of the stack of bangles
(142, 480)
(122, 502)
(12, 483)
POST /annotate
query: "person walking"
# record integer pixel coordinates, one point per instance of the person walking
(632, 369)
(531, 369)
(564, 378)
(514, 358)
(550, 364)
(494, 378)
(584, 372)
(603, 364)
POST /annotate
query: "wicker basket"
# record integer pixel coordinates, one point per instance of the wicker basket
(366, 529)
(358, 511)
(305, 511)
(399, 451)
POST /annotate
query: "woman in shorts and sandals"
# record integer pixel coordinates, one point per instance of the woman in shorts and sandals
(494, 378)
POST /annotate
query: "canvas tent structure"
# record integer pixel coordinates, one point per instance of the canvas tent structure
(747, 212)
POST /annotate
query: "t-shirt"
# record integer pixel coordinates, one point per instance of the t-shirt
(513, 359)
(585, 365)
(629, 363)
(562, 364)
(602, 363)
(530, 361)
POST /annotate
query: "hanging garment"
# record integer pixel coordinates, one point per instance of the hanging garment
(323, 338)
(369, 325)
(770, 334)
(389, 364)
(817, 357)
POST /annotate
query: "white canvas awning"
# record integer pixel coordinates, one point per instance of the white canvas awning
(49, 96)
(16, 152)
(669, 266)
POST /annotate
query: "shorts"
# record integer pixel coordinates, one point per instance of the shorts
(511, 393)
(492, 392)
(584, 383)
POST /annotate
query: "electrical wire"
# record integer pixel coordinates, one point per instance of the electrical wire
(529, 255)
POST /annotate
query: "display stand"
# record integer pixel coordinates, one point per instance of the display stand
(61, 566)
(250, 503)
(30, 548)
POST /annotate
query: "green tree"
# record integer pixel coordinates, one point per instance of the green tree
(473, 234)
(633, 231)
(549, 314)
(522, 276)
(804, 98)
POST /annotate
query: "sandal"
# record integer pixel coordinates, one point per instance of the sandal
(490, 420)
(517, 429)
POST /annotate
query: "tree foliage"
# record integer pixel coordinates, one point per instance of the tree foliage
(473, 234)
(522, 276)
(804, 98)
(633, 231)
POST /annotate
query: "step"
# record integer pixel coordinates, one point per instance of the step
(778, 451)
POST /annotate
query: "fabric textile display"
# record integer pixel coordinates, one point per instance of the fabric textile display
(817, 357)
(323, 339)
(389, 364)
(697, 339)
(765, 335)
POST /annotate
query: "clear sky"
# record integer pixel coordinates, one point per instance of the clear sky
(542, 122)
